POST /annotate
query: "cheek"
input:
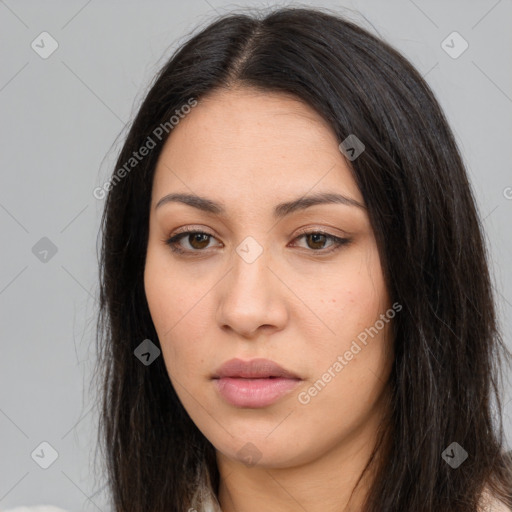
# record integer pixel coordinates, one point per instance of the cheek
(172, 296)
(357, 350)
(352, 299)
(178, 316)
(350, 368)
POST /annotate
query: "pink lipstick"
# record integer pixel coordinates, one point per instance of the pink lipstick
(254, 384)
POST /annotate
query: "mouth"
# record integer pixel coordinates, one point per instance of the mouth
(253, 384)
(253, 369)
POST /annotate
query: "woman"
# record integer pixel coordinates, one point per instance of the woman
(296, 309)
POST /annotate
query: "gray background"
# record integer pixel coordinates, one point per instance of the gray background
(62, 121)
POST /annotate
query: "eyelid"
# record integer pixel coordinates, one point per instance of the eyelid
(323, 230)
(302, 231)
(192, 229)
(189, 230)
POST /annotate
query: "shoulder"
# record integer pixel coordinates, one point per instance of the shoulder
(489, 503)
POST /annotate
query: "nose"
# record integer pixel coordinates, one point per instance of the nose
(252, 297)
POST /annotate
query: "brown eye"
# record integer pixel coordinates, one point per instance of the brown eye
(197, 241)
(317, 240)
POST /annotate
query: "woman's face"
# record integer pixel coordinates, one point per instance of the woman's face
(251, 285)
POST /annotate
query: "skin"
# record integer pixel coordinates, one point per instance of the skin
(250, 151)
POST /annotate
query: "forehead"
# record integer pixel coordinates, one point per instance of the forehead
(252, 142)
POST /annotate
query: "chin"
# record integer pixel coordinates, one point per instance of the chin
(258, 449)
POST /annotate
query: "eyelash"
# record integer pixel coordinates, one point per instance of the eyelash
(173, 241)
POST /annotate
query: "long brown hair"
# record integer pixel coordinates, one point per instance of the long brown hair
(448, 351)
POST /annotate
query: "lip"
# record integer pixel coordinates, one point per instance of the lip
(254, 384)
(253, 369)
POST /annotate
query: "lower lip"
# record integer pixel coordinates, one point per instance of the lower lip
(254, 392)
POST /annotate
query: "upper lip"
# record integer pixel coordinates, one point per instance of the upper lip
(253, 369)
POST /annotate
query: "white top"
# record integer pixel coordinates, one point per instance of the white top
(212, 505)
(35, 508)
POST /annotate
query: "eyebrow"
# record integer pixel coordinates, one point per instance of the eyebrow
(281, 210)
